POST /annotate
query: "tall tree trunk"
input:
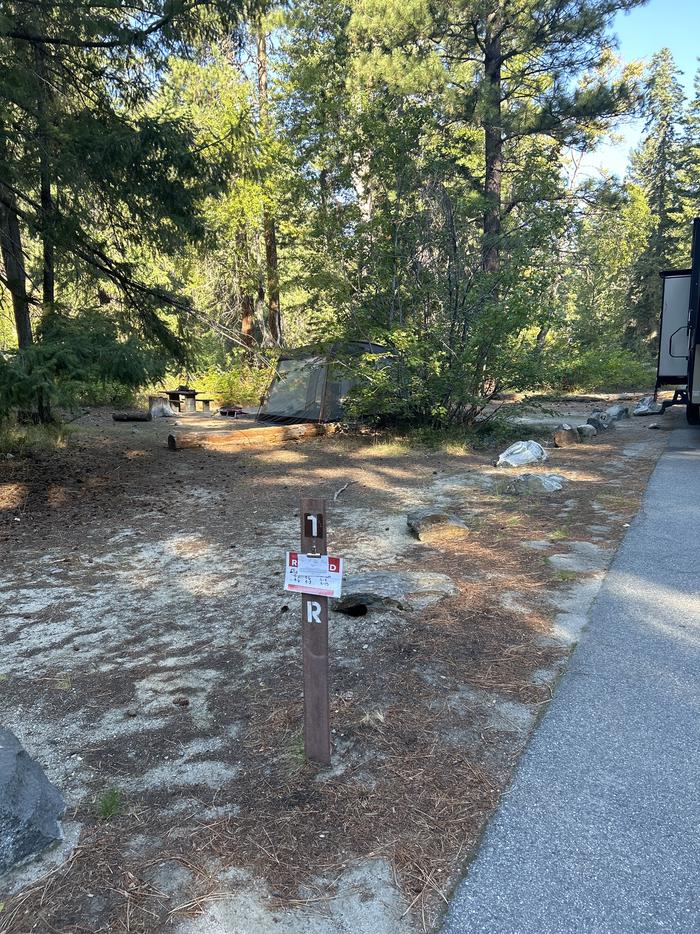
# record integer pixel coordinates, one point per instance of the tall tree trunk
(247, 297)
(247, 319)
(48, 276)
(274, 319)
(493, 144)
(13, 261)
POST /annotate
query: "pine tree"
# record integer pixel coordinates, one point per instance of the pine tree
(87, 171)
(691, 157)
(657, 168)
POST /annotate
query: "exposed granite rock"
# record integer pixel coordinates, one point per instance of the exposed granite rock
(433, 525)
(405, 590)
(30, 805)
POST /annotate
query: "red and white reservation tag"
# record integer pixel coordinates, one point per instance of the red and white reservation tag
(321, 575)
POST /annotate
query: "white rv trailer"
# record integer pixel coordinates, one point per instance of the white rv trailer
(679, 341)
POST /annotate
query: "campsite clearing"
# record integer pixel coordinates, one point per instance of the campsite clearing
(152, 660)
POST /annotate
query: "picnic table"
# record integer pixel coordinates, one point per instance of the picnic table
(185, 395)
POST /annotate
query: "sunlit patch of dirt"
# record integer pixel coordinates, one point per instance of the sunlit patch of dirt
(13, 495)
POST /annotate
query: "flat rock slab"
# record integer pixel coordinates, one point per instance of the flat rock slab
(30, 805)
(583, 557)
(535, 483)
(404, 590)
(549, 422)
(473, 479)
(433, 525)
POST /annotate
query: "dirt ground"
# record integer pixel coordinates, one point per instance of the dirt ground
(151, 663)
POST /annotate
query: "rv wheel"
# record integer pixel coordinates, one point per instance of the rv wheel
(692, 414)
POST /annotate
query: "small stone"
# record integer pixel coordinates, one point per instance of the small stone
(431, 525)
(131, 712)
(565, 436)
(586, 431)
(617, 412)
(601, 421)
(181, 701)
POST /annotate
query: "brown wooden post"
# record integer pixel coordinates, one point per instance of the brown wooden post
(314, 616)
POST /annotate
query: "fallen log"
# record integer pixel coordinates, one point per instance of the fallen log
(233, 440)
(131, 416)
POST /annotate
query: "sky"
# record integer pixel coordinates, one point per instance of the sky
(643, 31)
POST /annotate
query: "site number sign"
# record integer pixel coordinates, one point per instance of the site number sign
(316, 575)
(321, 575)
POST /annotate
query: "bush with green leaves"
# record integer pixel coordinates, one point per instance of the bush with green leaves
(73, 354)
(602, 368)
(422, 381)
(238, 383)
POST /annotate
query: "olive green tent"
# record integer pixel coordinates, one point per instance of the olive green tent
(310, 384)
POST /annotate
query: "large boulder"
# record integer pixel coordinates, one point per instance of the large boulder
(433, 525)
(404, 590)
(586, 431)
(535, 483)
(30, 806)
(521, 454)
(565, 436)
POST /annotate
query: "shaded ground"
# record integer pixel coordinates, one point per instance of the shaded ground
(148, 647)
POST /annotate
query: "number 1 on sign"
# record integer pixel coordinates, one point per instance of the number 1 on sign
(313, 525)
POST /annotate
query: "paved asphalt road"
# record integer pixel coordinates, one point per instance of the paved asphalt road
(600, 830)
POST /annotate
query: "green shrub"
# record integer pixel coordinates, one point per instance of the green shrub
(77, 359)
(602, 369)
(104, 392)
(240, 383)
(20, 440)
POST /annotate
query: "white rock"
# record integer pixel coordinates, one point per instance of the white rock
(647, 406)
(521, 454)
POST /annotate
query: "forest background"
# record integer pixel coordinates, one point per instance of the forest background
(187, 187)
